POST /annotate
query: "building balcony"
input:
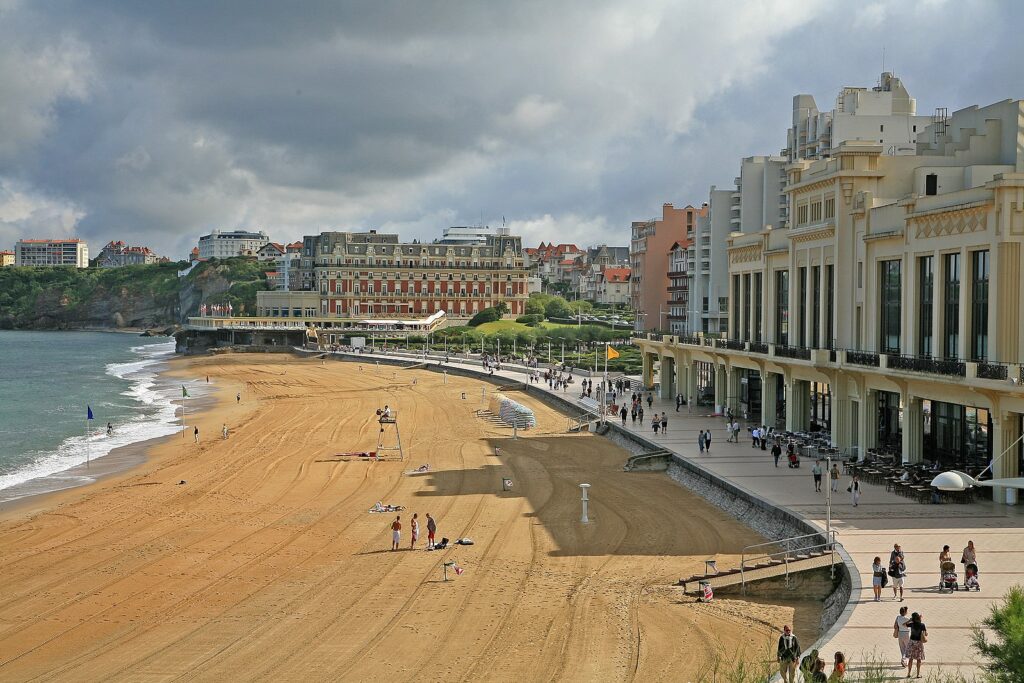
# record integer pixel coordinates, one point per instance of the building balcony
(678, 273)
(758, 347)
(934, 366)
(730, 344)
(997, 371)
(679, 288)
(796, 352)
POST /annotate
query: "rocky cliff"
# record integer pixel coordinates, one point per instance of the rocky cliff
(152, 296)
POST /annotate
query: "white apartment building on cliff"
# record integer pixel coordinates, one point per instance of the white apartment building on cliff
(67, 252)
(890, 312)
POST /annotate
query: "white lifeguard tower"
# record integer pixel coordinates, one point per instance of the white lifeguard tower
(389, 440)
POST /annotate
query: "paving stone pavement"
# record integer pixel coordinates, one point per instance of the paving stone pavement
(868, 530)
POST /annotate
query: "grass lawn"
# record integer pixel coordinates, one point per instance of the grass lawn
(501, 326)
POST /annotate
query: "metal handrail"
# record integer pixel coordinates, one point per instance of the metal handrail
(829, 545)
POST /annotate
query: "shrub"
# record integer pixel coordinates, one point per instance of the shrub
(1005, 651)
(488, 315)
(531, 319)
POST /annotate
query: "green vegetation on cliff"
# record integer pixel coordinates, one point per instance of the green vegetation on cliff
(133, 296)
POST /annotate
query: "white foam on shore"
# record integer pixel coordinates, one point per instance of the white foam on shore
(146, 389)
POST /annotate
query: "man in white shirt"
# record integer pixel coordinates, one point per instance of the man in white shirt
(756, 436)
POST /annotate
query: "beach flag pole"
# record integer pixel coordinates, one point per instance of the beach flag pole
(184, 395)
(88, 454)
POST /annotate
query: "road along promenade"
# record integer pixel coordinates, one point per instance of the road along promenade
(864, 631)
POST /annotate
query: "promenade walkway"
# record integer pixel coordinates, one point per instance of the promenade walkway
(868, 530)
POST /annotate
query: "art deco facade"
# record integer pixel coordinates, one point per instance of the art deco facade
(890, 311)
(375, 275)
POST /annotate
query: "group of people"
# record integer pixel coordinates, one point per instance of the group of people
(414, 531)
(684, 401)
(910, 631)
(811, 666)
(558, 379)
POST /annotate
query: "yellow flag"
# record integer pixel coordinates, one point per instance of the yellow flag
(612, 353)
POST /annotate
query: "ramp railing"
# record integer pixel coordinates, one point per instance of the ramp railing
(794, 549)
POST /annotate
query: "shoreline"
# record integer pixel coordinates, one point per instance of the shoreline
(51, 491)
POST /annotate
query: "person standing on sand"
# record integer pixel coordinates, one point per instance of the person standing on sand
(787, 654)
(396, 532)
(195, 434)
(224, 431)
(238, 397)
(414, 531)
(431, 530)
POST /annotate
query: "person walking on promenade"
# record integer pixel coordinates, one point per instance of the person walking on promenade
(807, 665)
(195, 434)
(944, 556)
(679, 401)
(431, 530)
(777, 452)
(969, 556)
(915, 648)
(622, 414)
(655, 422)
(414, 531)
(632, 414)
(664, 424)
(707, 441)
(787, 654)
(897, 570)
(689, 406)
(834, 476)
(755, 435)
(877, 577)
(396, 532)
(700, 441)
(816, 473)
(901, 632)
(854, 490)
(650, 400)
(764, 438)
(640, 414)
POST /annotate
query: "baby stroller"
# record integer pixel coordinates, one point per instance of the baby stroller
(949, 578)
(971, 577)
(794, 460)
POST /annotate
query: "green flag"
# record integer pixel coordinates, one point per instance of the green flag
(184, 391)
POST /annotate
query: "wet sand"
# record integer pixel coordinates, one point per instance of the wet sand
(266, 564)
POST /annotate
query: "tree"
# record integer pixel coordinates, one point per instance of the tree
(534, 305)
(502, 308)
(556, 308)
(1005, 652)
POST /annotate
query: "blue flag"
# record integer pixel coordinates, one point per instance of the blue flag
(89, 408)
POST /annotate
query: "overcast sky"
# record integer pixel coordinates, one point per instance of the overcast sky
(154, 122)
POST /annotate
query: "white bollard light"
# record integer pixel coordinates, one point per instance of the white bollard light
(583, 487)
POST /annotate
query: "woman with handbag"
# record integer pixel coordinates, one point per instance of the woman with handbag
(854, 490)
(918, 637)
(877, 577)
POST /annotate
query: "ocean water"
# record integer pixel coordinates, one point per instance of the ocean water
(47, 380)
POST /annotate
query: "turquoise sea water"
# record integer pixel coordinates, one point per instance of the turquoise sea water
(47, 379)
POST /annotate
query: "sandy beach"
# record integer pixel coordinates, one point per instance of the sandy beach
(266, 565)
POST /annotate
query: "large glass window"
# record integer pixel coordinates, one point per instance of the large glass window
(979, 304)
(758, 308)
(951, 305)
(782, 307)
(802, 307)
(746, 308)
(816, 307)
(829, 305)
(889, 291)
(926, 283)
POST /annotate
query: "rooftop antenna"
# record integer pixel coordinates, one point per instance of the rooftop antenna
(883, 63)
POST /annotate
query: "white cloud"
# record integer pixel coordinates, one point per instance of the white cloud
(24, 214)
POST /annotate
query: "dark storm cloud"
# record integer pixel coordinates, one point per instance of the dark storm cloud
(156, 121)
